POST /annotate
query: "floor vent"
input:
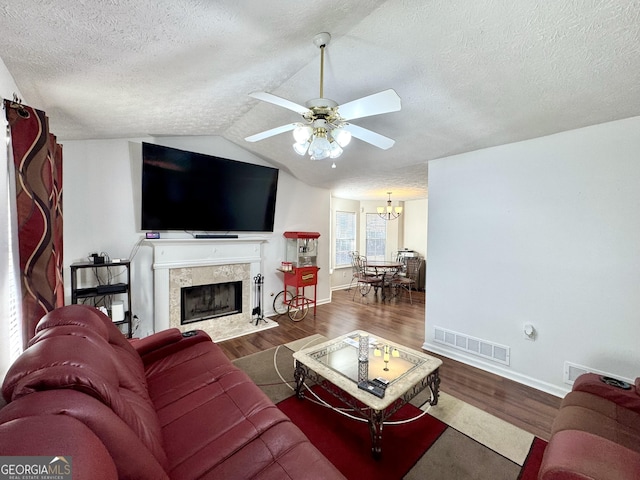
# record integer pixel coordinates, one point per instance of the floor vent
(482, 348)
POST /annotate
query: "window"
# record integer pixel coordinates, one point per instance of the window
(376, 235)
(10, 327)
(345, 237)
(13, 312)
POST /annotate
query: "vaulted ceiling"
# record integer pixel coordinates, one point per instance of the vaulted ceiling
(471, 74)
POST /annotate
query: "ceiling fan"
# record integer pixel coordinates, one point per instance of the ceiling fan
(325, 128)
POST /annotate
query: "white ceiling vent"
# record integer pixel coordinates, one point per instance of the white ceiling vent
(482, 348)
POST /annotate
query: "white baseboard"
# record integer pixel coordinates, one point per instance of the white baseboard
(501, 371)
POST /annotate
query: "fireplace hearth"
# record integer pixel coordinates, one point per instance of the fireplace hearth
(213, 300)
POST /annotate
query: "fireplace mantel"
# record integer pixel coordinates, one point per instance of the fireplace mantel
(171, 254)
(179, 253)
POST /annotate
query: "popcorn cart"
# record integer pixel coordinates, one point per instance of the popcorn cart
(300, 271)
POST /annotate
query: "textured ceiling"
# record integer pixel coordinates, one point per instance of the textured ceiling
(470, 74)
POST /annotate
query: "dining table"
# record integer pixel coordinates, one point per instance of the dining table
(385, 269)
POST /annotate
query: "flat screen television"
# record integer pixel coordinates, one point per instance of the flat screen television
(195, 192)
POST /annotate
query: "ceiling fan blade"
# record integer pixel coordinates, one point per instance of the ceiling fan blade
(369, 136)
(281, 102)
(271, 132)
(381, 102)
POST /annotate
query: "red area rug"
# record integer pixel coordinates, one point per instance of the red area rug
(347, 442)
(532, 464)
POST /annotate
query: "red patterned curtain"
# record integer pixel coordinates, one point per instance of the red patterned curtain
(38, 171)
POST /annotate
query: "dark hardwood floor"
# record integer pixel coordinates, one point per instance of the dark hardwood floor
(404, 323)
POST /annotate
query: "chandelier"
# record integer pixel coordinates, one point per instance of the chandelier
(389, 212)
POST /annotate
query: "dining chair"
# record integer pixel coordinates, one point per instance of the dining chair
(354, 267)
(409, 280)
(402, 258)
(366, 280)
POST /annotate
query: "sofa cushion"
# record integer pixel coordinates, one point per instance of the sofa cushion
(217, 424)
(207, 408)
(61, 362)
(79, 316)
(78, 319)
(281, 452)
(230, 429)
(185, 370)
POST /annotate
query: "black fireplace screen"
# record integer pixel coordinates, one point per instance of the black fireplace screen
(204, 302)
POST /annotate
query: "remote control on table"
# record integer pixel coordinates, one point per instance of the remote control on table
(372, 388)
(380, 382)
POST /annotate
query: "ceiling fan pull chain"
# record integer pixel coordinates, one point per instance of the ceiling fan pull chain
(322, 71)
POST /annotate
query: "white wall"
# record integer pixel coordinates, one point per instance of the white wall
(102, 181)
(415, 221)
(545, 231)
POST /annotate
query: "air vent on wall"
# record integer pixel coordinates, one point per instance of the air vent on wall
(573, 371)
(482, 348)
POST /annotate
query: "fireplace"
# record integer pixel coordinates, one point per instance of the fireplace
(180, 263)
(213, 300)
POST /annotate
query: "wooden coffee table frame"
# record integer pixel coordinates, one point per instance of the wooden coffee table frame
(375, 417)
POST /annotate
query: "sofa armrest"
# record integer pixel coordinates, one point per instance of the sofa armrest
(167, 342)
(44, 435)
(157, 340)
(577, 455)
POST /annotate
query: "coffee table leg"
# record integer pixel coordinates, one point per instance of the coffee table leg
(299, 374)
(375, 427)
(433, 380)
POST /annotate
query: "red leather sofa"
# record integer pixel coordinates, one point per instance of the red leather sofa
(596, 434)
(166, 406)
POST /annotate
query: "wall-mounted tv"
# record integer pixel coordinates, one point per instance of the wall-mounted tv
(195, 192)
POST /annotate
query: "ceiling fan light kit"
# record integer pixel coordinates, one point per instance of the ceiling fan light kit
(341, 136)
(326, 130)
(302, 133)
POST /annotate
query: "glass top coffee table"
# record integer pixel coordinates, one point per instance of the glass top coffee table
(372, 375)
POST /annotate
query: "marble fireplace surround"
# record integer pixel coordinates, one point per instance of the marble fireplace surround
(181, 263)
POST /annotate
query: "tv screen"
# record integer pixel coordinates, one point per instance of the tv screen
(191, 191)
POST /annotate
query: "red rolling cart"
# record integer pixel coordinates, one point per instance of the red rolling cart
(300, 272)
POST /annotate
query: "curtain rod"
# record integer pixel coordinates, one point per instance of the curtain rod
(18, 105)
